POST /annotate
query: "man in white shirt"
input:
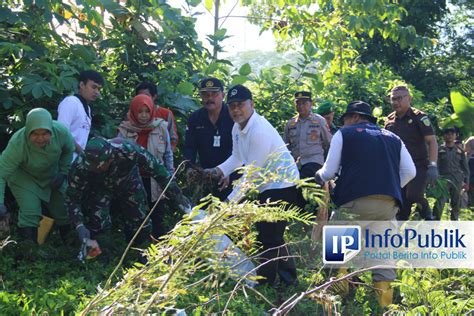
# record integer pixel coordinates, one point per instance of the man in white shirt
(256, 142)
(74, 111)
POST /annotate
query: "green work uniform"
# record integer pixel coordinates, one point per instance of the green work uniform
(28, 169)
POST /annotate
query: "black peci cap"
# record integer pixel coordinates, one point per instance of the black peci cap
(238, 93)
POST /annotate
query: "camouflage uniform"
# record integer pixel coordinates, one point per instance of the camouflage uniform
(90, 194)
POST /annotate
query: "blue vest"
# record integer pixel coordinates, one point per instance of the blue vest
(370, 163)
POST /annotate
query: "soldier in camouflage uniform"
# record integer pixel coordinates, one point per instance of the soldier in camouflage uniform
(307, 136)
(110, 170)
(453, 166)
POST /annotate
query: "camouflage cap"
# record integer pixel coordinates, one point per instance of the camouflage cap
(98, 150)
(325, 108)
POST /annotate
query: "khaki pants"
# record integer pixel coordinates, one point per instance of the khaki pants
(371, 208)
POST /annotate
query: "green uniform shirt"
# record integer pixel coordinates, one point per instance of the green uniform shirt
(26, 166)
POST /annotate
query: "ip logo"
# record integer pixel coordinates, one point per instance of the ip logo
(340, 243)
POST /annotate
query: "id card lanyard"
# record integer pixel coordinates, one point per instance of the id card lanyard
(217, 139)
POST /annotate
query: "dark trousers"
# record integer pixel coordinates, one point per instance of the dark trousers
(414, 192)
(454, 190)
(309, 169)
(158, 228)
(270, 235)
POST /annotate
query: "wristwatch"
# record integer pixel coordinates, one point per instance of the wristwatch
(432, 164)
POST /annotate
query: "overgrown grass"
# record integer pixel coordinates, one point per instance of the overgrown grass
(50, 279)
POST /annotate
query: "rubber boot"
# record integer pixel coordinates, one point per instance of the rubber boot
(44, 228)
(384, 292)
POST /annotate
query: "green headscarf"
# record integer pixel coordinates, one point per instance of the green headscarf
(36, 119)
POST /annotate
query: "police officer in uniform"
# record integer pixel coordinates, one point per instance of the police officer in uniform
(209, 132)
(414, 128)
(307, 136)
(454, 167)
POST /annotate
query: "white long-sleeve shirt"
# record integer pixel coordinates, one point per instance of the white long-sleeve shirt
(72, 114)
(260, 145)
(333, 161)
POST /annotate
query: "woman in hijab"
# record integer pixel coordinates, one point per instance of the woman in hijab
(152, 134)
(34, 165)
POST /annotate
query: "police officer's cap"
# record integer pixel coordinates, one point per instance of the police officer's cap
(211, 84)
(303, 95)
(238, 93)
(360, 107)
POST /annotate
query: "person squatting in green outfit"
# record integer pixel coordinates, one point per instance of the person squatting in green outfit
(110, 170)
(34, 165)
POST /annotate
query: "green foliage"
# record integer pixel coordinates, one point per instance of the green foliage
(45, 45)
(185, 271)
(433, 291)
(49, 279)
(464, 110)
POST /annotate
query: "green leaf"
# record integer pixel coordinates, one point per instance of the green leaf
(464, 109)
(310, 75)
(245, 70)
(183, 103)
(211, 68)
(286, 69)
(238, 80)
(327, 57)
(220, 33)
(208, 4)
(194, 3)
(371, 33)
(37, 92)
(186, 88)
(7, 104)
(319, 86)
(309, 49)
(111, 5)
(377, 112)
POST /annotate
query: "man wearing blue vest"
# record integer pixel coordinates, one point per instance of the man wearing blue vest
(373, 165)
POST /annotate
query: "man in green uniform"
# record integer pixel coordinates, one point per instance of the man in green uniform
(34, 165)
(110, 170)
(307, 136)
(453, 167)
(414, 128)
